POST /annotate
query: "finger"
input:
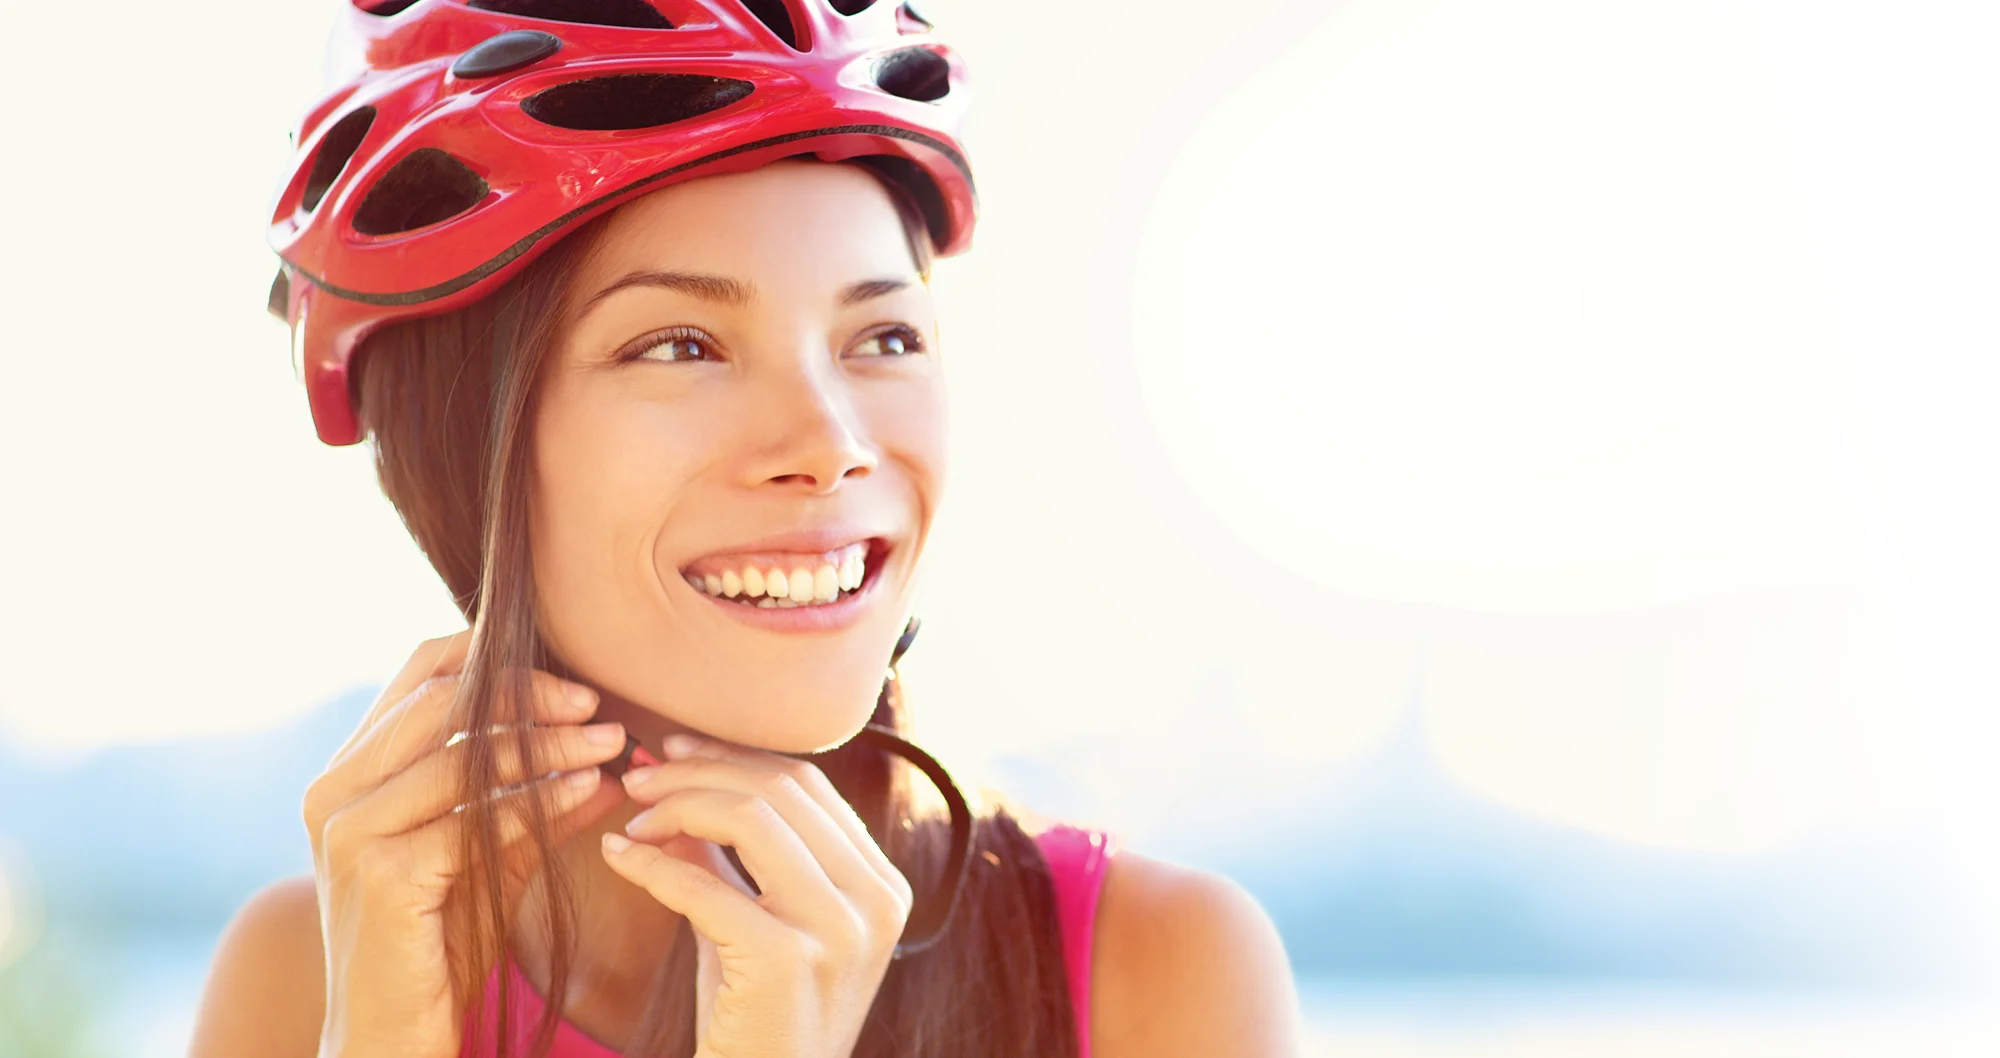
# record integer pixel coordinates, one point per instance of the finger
(810, 779)
(710, 904)
(832, 845)
(443, 656)
(794, 885)
(414, 728)
(433, 849)
(432, 786)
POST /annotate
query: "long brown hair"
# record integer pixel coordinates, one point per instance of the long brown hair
(448, 402)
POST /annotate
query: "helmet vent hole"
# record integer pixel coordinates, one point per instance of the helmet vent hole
(426, 187)
(629, 14)
(914, 73)
(632, 100)
(911, 20)
(385, 8)
(774, 14)
(851, 7)
(335, 148)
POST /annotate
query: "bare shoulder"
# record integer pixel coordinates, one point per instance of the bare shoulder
(1187, 963)
(266, 986)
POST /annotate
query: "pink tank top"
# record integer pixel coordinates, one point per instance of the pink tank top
(1077, 858)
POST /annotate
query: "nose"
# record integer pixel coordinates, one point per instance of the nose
(815, 436)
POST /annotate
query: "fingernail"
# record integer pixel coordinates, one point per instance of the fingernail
(612, 734)
(616, 842)
(680, 745)
(580, 696)
(638, 775)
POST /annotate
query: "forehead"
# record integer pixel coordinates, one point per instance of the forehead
(793, 225)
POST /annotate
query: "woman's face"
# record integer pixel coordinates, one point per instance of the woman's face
(747, 390)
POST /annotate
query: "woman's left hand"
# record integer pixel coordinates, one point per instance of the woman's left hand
(790, 973)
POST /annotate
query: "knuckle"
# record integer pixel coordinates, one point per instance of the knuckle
(436, 689)
(780, 784)
(899, 886)
(754, 811)
(696, 882)
(888, 913)
(313, 806)
(824, 956)
(803, 773)
(339, 836)
(849, 933)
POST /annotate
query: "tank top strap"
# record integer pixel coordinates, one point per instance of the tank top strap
(1078, 858)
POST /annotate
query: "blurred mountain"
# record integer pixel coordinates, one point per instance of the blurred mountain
(1380, 868)
(1385, 867)
(172, 834)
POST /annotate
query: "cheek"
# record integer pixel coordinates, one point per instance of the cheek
(607, 471)
(911, 422)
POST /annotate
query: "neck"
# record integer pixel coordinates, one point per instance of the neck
(622, 935)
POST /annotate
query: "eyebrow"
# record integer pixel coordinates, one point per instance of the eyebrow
(726, 291)
(868, 289)
(720, 289)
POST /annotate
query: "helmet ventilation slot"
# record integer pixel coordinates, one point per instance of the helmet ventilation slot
(628, 14)
(851, 7)
(774, 14)
(335, 148)
(632, 100)
(385, 8)
(914, 73)
(426, 187)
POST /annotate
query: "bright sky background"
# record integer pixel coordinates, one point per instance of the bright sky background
(1618, 378)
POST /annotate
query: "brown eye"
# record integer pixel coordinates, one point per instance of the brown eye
(898, 342)
(674, 348)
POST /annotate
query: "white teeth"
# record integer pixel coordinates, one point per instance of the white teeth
(783, 589)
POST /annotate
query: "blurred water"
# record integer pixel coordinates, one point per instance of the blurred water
(149, 1013)
(1478, 1018)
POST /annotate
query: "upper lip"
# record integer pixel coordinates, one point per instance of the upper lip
(801, 541)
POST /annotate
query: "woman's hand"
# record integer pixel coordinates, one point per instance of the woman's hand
(385, 843)
(790, 973)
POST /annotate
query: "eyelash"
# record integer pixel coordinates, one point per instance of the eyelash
(913, 342)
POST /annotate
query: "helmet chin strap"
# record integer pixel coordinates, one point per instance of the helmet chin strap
(932, 914)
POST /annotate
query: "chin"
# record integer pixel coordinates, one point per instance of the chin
(784, 723)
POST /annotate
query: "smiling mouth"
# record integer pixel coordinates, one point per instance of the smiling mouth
(783, 581)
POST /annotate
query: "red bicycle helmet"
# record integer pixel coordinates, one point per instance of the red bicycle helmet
(467, 136)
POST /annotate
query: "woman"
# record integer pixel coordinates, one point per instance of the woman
(632, 299)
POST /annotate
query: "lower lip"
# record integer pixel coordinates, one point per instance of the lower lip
(824, 617)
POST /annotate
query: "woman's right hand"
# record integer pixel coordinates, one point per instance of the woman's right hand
(385, 845)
